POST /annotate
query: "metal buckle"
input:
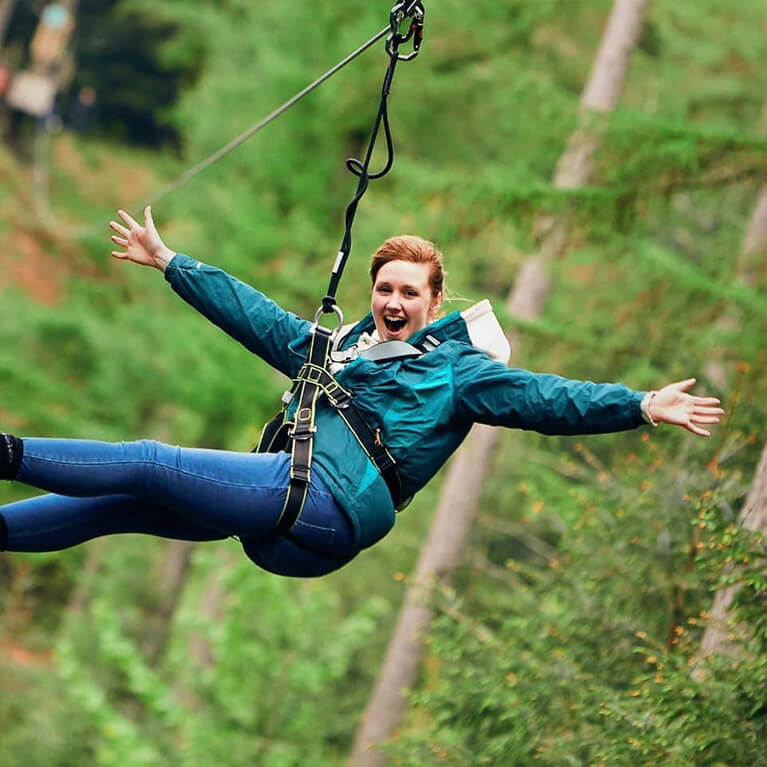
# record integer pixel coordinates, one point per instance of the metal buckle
(302, 433)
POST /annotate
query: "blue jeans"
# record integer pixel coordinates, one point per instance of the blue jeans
(102, 488)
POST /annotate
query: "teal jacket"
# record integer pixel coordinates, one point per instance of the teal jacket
(424, 406)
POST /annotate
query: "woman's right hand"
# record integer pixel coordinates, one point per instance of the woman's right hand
(142, 243)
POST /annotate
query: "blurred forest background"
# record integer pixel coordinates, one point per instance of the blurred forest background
(571, 633)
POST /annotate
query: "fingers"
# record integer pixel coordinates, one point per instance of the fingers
(148, 220)
(129, 220)
(684, 385)
(692, 425)
(705, 400)
(118, 254)
(121, 241)
(707, 415)
(697, 430)
(121, 230)
(704, 419)
(708, 411)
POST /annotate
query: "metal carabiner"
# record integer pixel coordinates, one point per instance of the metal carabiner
(401, 11)
(339, 316)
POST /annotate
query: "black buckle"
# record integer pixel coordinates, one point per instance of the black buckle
(301, 473)
(303, 428)
(338, 396)
(302, 435)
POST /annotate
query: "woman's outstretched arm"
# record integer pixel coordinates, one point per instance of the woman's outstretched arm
(243, 312)
(489, 392)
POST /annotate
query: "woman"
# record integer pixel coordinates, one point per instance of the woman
(422, 407)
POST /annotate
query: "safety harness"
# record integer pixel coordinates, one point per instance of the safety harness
(295, 433)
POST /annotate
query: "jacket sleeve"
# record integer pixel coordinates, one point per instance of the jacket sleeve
(240, 310)
(489, 392)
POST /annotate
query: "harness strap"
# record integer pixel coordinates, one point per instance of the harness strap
(314, 377)
(301, 434)
(311, 381)
(369, 439)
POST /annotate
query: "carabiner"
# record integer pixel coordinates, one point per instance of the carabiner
(335, 310)
(402, 10)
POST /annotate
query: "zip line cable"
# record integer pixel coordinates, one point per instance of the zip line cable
(41, 175)
(242, 138)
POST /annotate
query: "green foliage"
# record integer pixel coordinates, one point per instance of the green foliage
(569, 636)
(582, 654)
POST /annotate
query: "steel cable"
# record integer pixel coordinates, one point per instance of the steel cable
(41, 161)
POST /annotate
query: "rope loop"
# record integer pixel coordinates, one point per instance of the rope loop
(328, 305)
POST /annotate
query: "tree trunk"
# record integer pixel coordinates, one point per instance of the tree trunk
(177, 558)
(177, 554)
(82, 592)
(211, 608)
(716, 638)
(754, 244)
(462, 489)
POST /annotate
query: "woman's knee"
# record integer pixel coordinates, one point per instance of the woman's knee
(147, 448)
(148, 460)
(152, 451)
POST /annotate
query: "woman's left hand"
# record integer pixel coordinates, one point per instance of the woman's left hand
(673, 405)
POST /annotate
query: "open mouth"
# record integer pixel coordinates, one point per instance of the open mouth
(394, 325)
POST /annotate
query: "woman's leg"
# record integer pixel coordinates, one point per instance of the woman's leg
(226, 492)
(54, 522)
(175, 492)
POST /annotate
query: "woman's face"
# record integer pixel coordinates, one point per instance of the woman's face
(402, 301)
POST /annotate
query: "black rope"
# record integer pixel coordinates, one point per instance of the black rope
(361, 169)
(404, 9)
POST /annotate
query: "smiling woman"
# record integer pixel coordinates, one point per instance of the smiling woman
(408, 286)
(417, 406)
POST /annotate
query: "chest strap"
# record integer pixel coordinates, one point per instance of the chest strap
(313, 380)
(384, 351)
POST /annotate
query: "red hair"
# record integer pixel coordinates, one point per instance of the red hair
(407, 247)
